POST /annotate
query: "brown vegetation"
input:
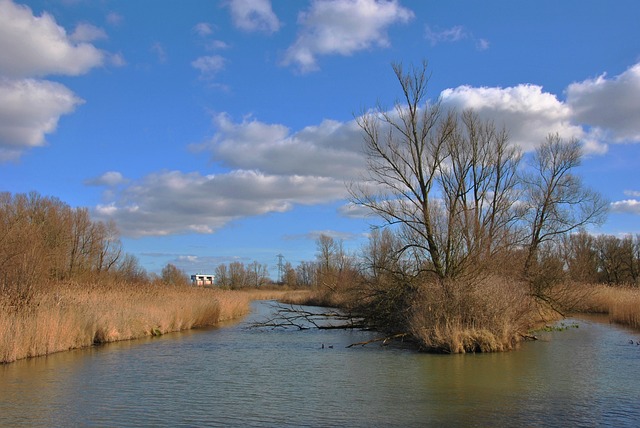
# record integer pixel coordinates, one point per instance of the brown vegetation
(622, 304)
(66, 316)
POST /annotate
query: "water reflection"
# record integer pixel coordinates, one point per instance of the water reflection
(234, 376)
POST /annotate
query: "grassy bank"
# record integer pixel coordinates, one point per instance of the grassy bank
(69, 316)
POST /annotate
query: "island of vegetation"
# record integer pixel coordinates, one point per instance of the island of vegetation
(474, 245)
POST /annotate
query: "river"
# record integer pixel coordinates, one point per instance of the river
(586, 375)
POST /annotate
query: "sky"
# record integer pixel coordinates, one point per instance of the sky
(220, 131)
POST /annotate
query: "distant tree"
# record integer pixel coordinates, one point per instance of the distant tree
(307, 274)
(129, 270)
(222, 276)
(580, 257)
(237, 275)
(290, 276)
(257, 275)
(171, 275)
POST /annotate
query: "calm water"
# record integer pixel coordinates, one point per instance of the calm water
(235, 376)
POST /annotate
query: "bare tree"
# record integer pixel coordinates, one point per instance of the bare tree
(555, 200)
(222, 276)
(446, 180)
(171, 275)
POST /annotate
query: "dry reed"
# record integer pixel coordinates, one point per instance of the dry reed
(490, 316)
(620, 303)
(68, 316)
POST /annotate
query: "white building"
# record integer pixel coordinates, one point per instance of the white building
(202, 280)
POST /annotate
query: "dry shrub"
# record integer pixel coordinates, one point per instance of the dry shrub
(488, 316)
(67, 316)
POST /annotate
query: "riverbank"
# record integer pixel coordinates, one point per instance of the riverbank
(69, 316)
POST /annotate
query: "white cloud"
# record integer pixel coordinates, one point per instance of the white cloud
(161, 54)
(37, 46)
(209, 65)
(314, 235)
(215, 45)
(609, 104)
(174, 202)
(482, 44)
(203, 29)
(632, 193)
(528, 113)
(331, 149)
(453, 34)
(29, 109)
(109, 178)
(87, 33)
(628, 206)
(350, 210)
(343, 27)
(254, 15)
(114, 18)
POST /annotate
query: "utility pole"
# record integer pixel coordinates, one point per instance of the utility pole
(280, 267)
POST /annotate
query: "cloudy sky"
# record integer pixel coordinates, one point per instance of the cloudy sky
(222, 130)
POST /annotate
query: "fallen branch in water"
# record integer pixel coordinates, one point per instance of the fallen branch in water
(303, 319)
(384, 340)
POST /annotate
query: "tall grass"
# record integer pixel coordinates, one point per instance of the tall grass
(622, 304)
(489, 316)
(67, 316)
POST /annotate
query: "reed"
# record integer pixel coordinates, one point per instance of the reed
(489, 316)
(67, 316)
(622, 304)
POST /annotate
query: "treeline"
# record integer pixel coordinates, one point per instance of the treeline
(600, 259)
(44, 239)
(237, 275)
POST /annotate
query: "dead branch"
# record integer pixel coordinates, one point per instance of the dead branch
(295, 316)
(385, 340)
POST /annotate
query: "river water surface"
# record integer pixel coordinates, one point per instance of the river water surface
(238, 376)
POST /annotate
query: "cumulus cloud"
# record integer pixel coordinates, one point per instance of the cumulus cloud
(627, 206)
(29, 109)
(331, 149)
(343, 27)
(203, 29)
(609, 104)
(109, 178)
(209, 66)
(272, 168)
(37, 46)
(528, 112)
(173, 202)
(254, 15)
(87, 33)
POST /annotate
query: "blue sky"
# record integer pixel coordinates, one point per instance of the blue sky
(215, 131)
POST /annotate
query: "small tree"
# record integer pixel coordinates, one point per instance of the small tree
(171, 275)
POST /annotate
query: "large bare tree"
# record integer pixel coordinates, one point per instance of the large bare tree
(447, 180)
